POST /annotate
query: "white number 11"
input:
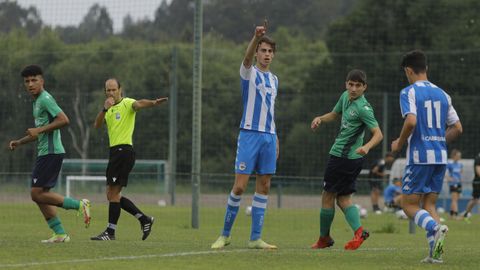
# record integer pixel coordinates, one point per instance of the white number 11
(436, 105)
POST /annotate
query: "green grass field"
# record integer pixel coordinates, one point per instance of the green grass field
(173, 245)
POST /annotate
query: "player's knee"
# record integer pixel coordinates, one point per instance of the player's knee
(238, 190)
(35, 195)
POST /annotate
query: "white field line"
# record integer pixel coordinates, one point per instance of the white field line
(176, 254)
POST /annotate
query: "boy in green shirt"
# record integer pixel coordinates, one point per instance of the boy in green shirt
(346, 158)
(49, 118)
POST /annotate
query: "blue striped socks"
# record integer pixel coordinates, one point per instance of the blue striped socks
(232, 210)
(423, 219)
(259, 205)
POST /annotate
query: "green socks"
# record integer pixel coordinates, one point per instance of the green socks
(56, 225)
(326, 219)
(353, 217)
(69, 203)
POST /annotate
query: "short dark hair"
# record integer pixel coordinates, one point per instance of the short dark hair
(416, 60)
(268, 40)
(357, 75)
(31, 70)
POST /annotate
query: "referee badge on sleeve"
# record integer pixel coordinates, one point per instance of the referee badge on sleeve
(117, 115)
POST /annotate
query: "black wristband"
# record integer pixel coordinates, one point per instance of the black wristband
(104, 110)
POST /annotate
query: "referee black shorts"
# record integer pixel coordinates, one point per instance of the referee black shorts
(120, 164)
(341, 175)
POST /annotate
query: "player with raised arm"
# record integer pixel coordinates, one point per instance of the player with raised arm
(257, 147)
(49, 118)
(430, 123)
(119, 115)
(346, 158)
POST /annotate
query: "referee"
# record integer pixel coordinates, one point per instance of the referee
(119, 115)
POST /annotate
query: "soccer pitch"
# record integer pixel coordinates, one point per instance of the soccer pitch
(174, 245)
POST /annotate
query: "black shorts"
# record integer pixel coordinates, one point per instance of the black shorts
(46, 170)
(476, 189)
(376, 183)
(456, 188)
(341, 175)
(120, 164)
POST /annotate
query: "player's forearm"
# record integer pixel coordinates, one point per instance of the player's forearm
(248, 59)
(143, 103)
(407, 130)
(329, 117)
(453, 132)
(377, 137)
(99, 119)
(26, 139)
(60, 121)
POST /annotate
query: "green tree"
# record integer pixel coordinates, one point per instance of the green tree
(12, 16)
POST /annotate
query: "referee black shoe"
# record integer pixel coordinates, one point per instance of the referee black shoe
(104, 236)
(146, 227)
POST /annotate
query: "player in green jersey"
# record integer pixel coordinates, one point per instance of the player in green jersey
(119, 115)
(49, 118)
(346, 158)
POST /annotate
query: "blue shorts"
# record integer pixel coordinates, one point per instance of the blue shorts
(47, 168)
(256, 152)
(422, 179)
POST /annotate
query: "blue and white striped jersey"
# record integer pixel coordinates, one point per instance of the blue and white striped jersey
(259, 90)
(434, 111)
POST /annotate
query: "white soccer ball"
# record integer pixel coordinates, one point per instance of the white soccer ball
(363, 212)
(248, 210)
(400, 214)
(440, 210)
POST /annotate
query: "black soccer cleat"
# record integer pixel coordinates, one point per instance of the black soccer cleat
(146, 227)
(104, 236)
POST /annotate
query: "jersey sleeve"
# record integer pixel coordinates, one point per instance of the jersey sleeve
(408, 102)
(51, 106)
(367, 116)
(129, 103)
(245, 72)
(452, 116)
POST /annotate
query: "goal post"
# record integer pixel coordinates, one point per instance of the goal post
(71, 178)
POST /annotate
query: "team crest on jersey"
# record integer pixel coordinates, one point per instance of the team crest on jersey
(242, 166)
(353, 113)
(117, 115)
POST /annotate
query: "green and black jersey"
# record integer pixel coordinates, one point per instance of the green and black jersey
(356, 116)
(45, 109)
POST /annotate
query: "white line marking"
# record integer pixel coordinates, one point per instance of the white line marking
(178, 254)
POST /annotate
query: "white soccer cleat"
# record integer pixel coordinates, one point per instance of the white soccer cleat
(431, 260)
(85, 210)
(221, 242)
(57, 238)
(438, 244)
